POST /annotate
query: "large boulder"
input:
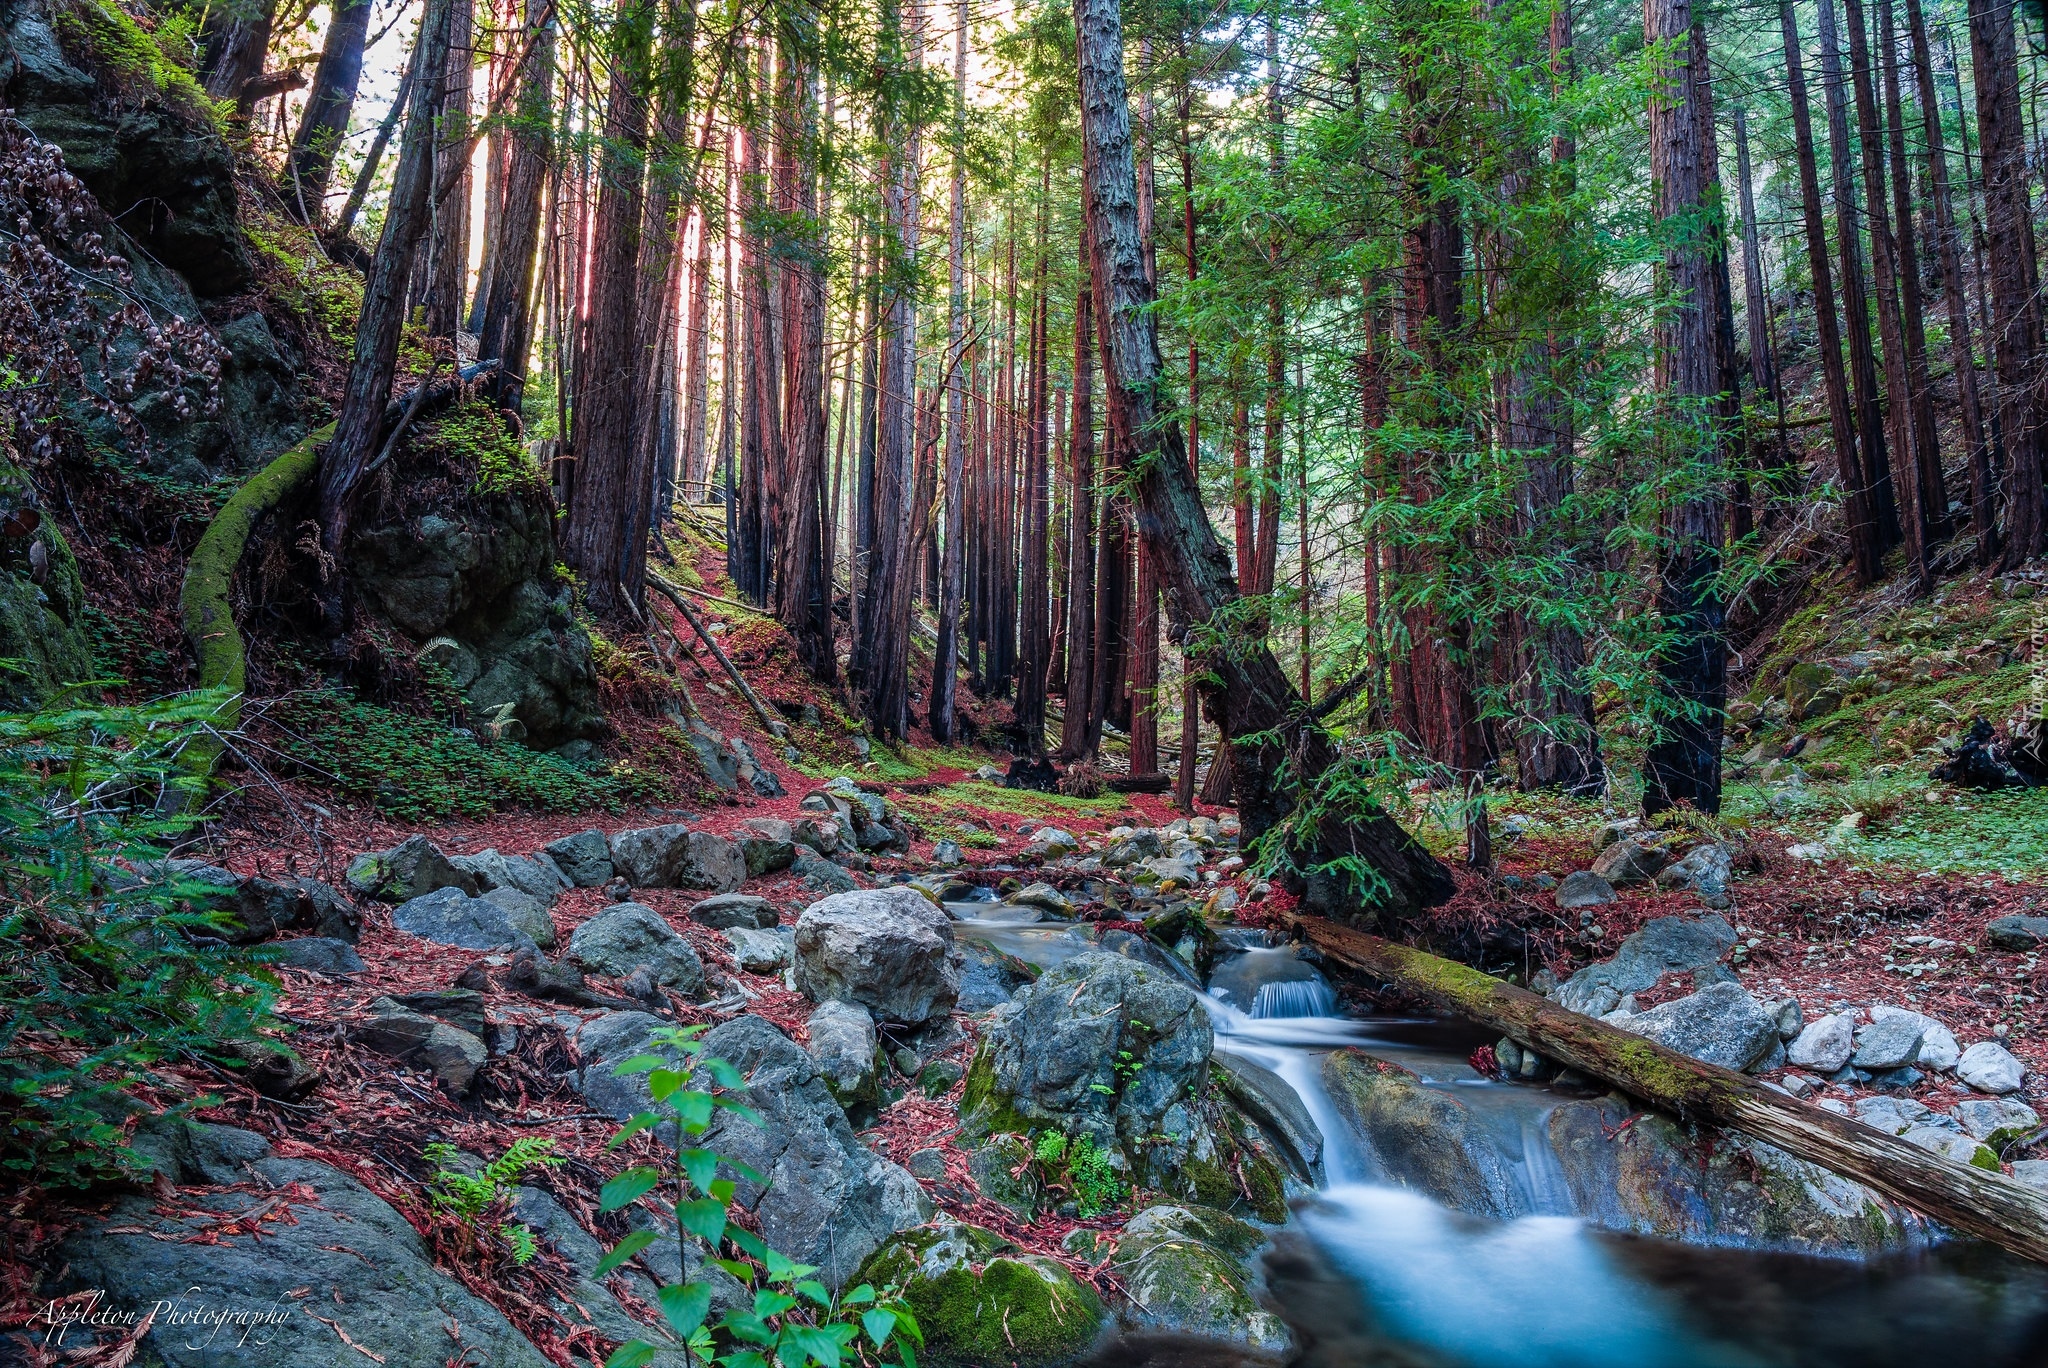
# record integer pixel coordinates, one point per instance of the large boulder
(521, 873)
(1421, 1137)
(629, 936)
(828, 1200)
(843, 1043)
(675, 856)
(888, 949)
(527, 913)
(449, 916)
(602, 1044)
(1720, 1024)
(584, 859)
(1668, 945)
(42, 606)
(981, 1301)
(729, 910)
(413, 867)
(1630, 860)
(329, 1260)
(767, 844)
(1184, 1272)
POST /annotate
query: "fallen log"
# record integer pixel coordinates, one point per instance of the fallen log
(1985, 1204)
(674, 595)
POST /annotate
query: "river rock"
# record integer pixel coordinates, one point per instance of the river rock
(820, 874)
(1962, 1149)
(728, 910)
(1630, 1170)
(759, 952)
(449, 916)
(1630, 860)
(1706, 869)
(1049, 843)
(1178, 870)
(828, 1199)
(1683, 945)
(1990, 1068)
(2016, 932)
(979, 1300)
(413, 867)
(1997, 1121)
(1720, 1024)
(1888, 1043)
(1824, 1045)
(1269, 1100)
(341, 1255)
(1184, 1271)
(988, 976)
(844, 1046)
(320, 955)
(767, 844)
(1042, 896)
(521, 873)
(1583, 888)
(1005, 1173)
(453, 1056)
(946, 853)
(1939, 1049)
(1424, 1138)
(888, 949)
(1053, 1056)
(675, 856)
(629, 936)
(526, 913)
(585, 859)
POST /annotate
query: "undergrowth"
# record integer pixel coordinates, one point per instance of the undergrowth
(416, 767)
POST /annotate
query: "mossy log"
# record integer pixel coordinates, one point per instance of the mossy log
(1989, 1205)
(203, 605)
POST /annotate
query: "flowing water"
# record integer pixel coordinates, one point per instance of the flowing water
(1441, 1289)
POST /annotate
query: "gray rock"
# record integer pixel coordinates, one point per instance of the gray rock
(1270, 1101)
(822, 834)
(845, 1047)
(584, 859)
(1990, 1068)
(1720, 1024)
(587, 1302)
(1421, 1138)
(752, 772)
(1997, 1121)
(1939, 1049)
(1897, 1115)
(820, 874)
(453, 1056)
(1003, 1172)
(929, 1165)
(1042, 896)
(720, 765)
(604, 1042)
(1049, 843)
(264, 907)
(526, 912)
(1185, 1270)
(828, 1199)
(463, 1007)
(1052, 1057)
(1583, 888)
(448, 916)
(988, 975)
(1889, 1043)
(2016, 932)
(413, 867)
(675, 856)
(394, 1029)
(529, 876)
(320, 955)
(946, 853)
(759, 952)
(629, 936)
(888, 949)
(1824, 1045)
(729, 910)
(767, 845)
(1630, 860)
(1961, 1149)
(1177, 869)
(343, 1254)
(1790, 1018)
(1239, 979)
(1693, 945)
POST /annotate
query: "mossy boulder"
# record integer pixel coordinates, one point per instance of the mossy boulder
(1811, 691)
(982, 1303)
(1188, 1270)
(43, 645)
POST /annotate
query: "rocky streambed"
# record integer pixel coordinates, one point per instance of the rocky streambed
(1068, 1110)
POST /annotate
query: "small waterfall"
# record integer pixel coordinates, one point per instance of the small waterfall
(1539, 1174)
(1297, 998)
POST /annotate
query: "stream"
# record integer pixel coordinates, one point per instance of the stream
(1431, 1287)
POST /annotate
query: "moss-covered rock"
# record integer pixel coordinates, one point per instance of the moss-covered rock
(1188, 1270)
(983, 1304)
(1653, 1177)
(43, 644)
(1422, 1138)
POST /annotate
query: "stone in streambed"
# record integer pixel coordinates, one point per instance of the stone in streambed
(759, 952)
(1824, 1045)
(1185, 1271)
(529, 876)
(526, 913)
(766, 844)
(887, 949)
(1721, 1024)
(979, 1300)
(1997, 1121)
(1424, 1138)
(675, 856)
(844, 1046)
(629, 936)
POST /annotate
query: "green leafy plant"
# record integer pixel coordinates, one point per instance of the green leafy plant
(1077, 1167)
(793, 1320)
(111, 963)
(471, 1196)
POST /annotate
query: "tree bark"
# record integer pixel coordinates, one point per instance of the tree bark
(1683, 765)
(1284, 749)
(447, 276)
(358, 428)
(946, 655)
(1081, 725)
(1989, 1205)
(237, 43)
(329, 102)
(507, 291)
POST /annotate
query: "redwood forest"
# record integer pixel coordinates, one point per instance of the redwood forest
(1017, 683)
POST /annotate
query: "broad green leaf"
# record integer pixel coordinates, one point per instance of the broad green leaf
(631, 1354)
(622, 1251)
(693, 1107)
(700, 1166)
(747, 1326)
(702, 1217)
(743, 1112)
(815, 1291)
(748, 1241)
(638, 1064)
(860, 1296)
(628, 1187)
(739, 1268)
(880, 1325)
(722, 1189)
(722, 1073)
(663, 1083)
(768, 1302)
(811, 1345)
(635, 1123)
(684, 1306)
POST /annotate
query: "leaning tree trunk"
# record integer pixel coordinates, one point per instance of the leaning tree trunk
(328, 104)
(1683, 765)
(359, 426)
(1988, 1205)
(1282, 749)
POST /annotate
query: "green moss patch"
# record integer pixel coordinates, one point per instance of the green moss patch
(980, 1302)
